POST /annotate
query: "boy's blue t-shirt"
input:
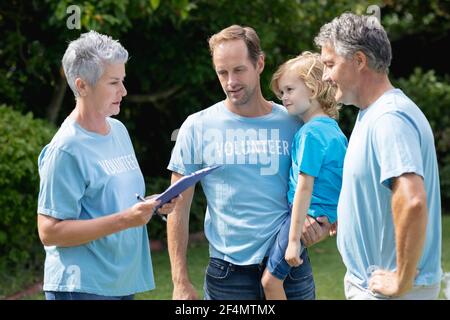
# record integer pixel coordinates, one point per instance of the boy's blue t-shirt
(83, 176)
(318, 150)
(246, 197)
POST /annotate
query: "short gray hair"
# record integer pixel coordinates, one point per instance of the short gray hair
(350, 33)
(86, 57)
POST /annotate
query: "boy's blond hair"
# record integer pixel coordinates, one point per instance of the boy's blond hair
(309, 68)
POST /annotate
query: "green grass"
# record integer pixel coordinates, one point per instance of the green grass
(328, 270)
(10, 283)
(445, 250)
(327, 267)
(197, 260)
(325, 259)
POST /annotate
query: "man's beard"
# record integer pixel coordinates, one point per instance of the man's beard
(246, 96)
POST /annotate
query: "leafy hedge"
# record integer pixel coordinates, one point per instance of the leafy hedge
(21, 140)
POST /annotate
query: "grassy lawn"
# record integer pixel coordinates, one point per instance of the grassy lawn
(325, 259)
(327, 267)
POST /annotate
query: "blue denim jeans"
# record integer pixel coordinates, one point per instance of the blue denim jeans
(276, 264)
(58, 295)
(226, 281)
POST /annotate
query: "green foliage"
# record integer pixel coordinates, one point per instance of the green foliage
(35, 36)
(157, 227)
(21, 140)
(169, 59)
(432, 95)
(410, 17)
(165, 55)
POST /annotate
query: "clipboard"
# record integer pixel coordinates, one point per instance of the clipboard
(187, 181)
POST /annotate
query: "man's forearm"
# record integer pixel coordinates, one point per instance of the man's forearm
(410, 220)
(177, 238)
(178, 234)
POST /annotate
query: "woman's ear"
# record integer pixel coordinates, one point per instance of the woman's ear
(82, 87)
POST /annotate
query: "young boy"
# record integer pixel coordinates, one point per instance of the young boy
(318, 152)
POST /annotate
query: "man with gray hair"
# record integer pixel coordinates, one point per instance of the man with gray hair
(389, 209)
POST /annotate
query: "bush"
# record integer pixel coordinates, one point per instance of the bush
(156, 227)
(21, 140)
(432, 95)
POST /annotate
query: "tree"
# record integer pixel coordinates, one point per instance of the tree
(37, 33)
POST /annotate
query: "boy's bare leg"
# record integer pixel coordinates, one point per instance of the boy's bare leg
(273, 287)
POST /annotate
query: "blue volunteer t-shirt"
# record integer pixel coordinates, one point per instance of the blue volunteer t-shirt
(391, 137)
(246, 197)
(85, 175)
(318, 150)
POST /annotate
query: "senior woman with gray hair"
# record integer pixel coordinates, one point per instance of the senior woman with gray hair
(91, 224)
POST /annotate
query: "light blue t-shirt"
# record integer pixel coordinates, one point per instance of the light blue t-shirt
(318, 150)
(85, 175)
(246, 197)
(391, 137)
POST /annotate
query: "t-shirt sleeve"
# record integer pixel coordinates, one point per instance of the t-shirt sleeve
(187, 154)
(397, 147)
(310, 153)
(61, 185)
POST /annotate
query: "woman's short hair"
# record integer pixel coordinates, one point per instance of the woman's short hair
(309, 68)
(87, 56)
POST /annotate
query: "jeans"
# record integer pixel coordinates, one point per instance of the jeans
(227, 281)
(58, 295)
(276, 264)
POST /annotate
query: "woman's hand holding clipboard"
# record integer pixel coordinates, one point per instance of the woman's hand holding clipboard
(181, 185)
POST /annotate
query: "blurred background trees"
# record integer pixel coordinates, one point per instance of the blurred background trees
(169, 74)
